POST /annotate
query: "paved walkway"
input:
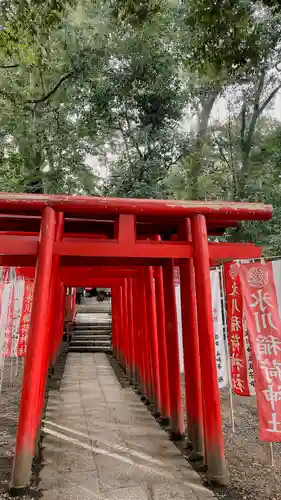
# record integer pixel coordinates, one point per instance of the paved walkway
(102, 443)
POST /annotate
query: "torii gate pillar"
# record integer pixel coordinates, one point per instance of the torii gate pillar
(37, 350)
(214, 448)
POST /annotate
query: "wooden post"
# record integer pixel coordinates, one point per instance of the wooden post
(171, 331)
(35, 362)
(214, 447)
(162, 349)
(152, 337)
(192, 373)
(145, 343)
(131, 350)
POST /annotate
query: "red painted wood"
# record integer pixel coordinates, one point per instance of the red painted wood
(114, 312)
(152, 337)
(119, 326)
(89, 273)
(210, 392)
(131, 346)
(92, 282)
(125, 326)
(149, 249)
(19, 245)
(35, 359)
(81, 227)
(192, 373)
(234, 251)
(136, 344)
(112, 248)
(55, 284)
(25, 272)
(171, 332)
(140, 356)
(162, 349)
(126, 229)
(26, 203)
(145, 341)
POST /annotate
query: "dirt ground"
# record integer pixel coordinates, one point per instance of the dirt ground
(250, 473)
(251, 476)
(9, 406)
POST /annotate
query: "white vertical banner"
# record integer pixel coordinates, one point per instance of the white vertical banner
(276, 268)
(3, 322)
(18, 302)
(220, 340)
(247, 347)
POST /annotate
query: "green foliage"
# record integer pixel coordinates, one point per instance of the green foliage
(132, 85)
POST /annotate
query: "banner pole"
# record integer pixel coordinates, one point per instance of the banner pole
(224, 315)
(11, 370)
(271, 454)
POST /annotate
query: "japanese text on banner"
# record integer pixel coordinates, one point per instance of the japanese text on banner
(264, 328)
(237, 351)
(220, 348)
(25, 318)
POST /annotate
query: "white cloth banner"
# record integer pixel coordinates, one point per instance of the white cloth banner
(3, 322)
(18, 300)
(276, 267)
(220, 337)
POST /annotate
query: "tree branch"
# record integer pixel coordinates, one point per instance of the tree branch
(243, 123)
(222, 153)
(269, 98)
(52, 91)
(131, 135)
(256, 113)
(8, 66)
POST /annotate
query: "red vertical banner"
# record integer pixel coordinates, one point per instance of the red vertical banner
(237, 351)
(264, 328)
(25, 318)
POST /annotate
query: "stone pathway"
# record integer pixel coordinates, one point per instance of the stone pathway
(101, 443)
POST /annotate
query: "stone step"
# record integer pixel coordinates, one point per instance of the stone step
(89, 337)
(91, 348)
(80, 338)
(92, 326)
(91, 342)
(93, 310)
(97, 328)
(93, 335)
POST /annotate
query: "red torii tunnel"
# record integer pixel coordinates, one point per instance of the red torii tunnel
(131, 246)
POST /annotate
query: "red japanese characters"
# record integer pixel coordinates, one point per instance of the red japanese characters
(264, 327)
(242, 381)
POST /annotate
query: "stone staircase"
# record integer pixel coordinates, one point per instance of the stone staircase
(92, 327)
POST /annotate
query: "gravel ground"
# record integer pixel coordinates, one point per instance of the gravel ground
(9, 407)
(250, 473)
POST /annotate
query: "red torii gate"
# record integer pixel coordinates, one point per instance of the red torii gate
(132, 246)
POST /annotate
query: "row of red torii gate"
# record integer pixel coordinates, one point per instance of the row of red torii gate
(130, 246)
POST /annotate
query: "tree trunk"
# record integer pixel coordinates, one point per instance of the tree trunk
(207, 101)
